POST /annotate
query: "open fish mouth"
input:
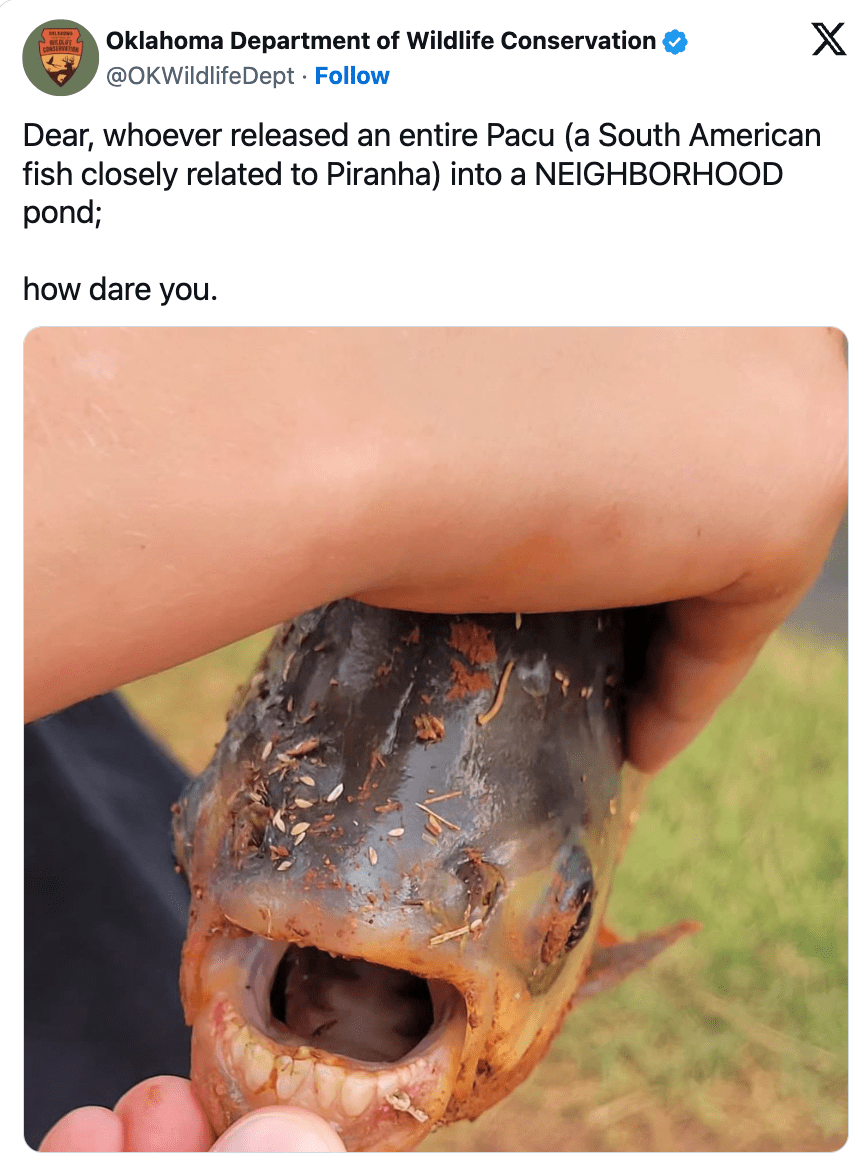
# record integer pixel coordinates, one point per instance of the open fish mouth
(372, 1049)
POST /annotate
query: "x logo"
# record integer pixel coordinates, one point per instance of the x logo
(829, 39)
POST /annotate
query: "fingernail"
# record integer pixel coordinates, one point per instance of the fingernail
(280, 1130)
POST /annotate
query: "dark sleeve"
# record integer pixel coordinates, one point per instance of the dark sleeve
(104, 912)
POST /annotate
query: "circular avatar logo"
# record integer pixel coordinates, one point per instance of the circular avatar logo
(60, 57)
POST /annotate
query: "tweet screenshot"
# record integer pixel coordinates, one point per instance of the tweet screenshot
(429, 429)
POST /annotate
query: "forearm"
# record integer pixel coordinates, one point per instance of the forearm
(183, 488)
(186, 487)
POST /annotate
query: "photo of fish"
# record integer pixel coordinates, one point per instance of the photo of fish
(456, 763)
(399, 861)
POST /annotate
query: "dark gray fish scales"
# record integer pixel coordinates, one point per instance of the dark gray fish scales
(399, 858)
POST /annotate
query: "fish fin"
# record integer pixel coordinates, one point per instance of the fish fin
(612, 962)
(607, 937)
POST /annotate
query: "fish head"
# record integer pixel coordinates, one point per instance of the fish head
(399, 859)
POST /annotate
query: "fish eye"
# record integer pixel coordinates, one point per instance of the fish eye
(579, 926)
(572, 911)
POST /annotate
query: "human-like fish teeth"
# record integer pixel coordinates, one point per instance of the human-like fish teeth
(290, 1081)
(330, 1089)
(389, 1082)
(287, 1081)
(357, 1093)
(333, 1090)
(329, 1082)
(258, 1064)
(239, 1042)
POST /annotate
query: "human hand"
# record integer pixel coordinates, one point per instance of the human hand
(163, 1115)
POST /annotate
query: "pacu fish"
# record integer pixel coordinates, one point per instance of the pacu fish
(399, 859)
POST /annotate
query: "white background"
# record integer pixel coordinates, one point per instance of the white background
(285, 255)
(516, 256)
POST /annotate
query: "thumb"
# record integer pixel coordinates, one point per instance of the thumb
(280, 1129)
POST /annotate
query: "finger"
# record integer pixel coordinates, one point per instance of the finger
(695, 661)
(85, 1130)
(280, 1129)
(163, 1115)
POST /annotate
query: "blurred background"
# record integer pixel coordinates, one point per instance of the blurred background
(734, 1039)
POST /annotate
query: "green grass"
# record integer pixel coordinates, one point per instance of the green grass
(186, 706)
(741, 1024)
(745, 832)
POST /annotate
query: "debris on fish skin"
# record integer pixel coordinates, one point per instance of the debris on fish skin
(429, 728)
(401, 1102)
